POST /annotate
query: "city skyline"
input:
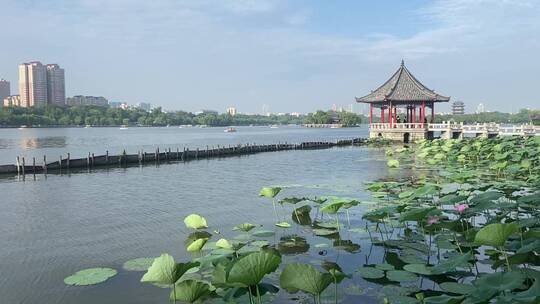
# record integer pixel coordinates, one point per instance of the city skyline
(299, 56)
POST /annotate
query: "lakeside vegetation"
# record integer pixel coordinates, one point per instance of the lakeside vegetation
(105, 116)
(523, 116)
(461, 227)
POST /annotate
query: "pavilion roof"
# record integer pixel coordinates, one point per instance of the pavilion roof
(402, 87)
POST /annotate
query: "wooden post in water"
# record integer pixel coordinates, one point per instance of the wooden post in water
(68, 158)
(197, 153)
(107, 157)
(177, 153)
(206, 151)
(93, 160)
(18, 165)
(45, 164)
(88, 161)
(23, 166)
(139, 156)
(167, 154)
(60, 163)
(34, 165)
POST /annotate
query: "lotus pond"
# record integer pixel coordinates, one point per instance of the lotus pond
(457, 223)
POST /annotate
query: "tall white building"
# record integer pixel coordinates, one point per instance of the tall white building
(56, 85)
(480, 108)
(33, 84)
(5, 89)
(231, 111)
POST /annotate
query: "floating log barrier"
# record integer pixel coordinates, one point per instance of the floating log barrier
(124, 159)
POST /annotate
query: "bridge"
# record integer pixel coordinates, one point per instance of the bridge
(447, 129)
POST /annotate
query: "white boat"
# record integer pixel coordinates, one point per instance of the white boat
(87, 126)
(229, 130)
(22, 127)
(123, 127)
(274, 126)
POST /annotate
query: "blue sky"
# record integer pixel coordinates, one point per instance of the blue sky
(290, 55)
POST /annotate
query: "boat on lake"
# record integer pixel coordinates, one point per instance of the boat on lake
(123, 127)
(274, 126)
(229, 130)
(22, 127)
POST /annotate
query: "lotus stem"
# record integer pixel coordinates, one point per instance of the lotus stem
(296, 214)
(275, 210)
(259, 300)
(506, 258)
(174, 292)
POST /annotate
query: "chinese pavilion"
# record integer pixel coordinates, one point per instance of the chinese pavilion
(402, 93)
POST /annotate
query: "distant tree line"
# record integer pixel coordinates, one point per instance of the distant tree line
(106, 116)
(523, 116)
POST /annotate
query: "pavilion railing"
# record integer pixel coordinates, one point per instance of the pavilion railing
(388, 126)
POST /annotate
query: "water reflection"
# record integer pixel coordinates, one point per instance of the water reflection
(42, 142)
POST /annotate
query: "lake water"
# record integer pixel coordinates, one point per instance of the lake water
(54, 225)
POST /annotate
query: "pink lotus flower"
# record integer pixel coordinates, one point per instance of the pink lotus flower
(432, 220)
(461, 208)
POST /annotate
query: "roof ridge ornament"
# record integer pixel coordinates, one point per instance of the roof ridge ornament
(402, 62)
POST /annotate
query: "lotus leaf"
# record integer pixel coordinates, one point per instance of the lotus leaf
(244, 227)
(457, 288)
(371, 273)
(196, 245)
(263, 233)
(269, 192)
(495, 234)
(190, 291)
(139, 264)
(165, 271)
(90, 276)
(223, 243)
(393, 163)
(283, 225)
(401, 276)
(195, 221)
(250, 270)
(304, 277)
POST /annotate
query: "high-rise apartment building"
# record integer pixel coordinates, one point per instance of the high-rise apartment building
(231, 111)
(40, 85)
(5, 89)
(33, 84)
(56, 85)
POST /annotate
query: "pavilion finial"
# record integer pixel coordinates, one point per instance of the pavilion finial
(402, 62)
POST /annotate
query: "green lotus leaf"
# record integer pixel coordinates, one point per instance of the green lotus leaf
(195, 221)
(401, 276)
(263, 233)
(333, 207)
(418, 268)
(370, 273)
(417, 215)
(269, 192)
(165, 271)
(452, 263)
(196, 245)
(304, 277)
(457, 288)
(191, 291)
(495, 234)
(250, 270)
(90, 276)
(385, 266)
(223, 243)
(291, 200)
(443, 299)
(244, 227)
(486, 197)
(493, 283)
(139, 264)
(283, 225)
(325, 232)
(392, 163)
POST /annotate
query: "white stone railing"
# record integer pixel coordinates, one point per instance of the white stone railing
(385, 126)
(488, 128)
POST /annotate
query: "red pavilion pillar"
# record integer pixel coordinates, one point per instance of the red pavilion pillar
(382, 114)
(423, 113)
(390, 115)
(433, 112)
(370, 114)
